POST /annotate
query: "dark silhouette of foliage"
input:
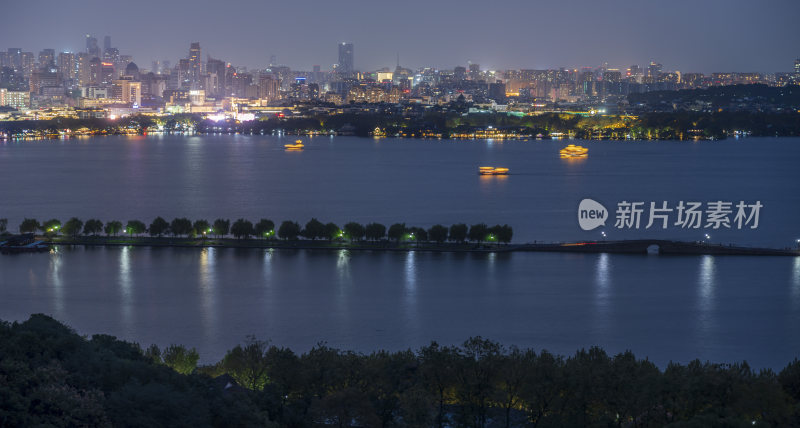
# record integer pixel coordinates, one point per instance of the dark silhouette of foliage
(396, 231)
(29, 225)
(458, 232)
(54, 377)
(314, 229)
(92, 227)
(289, 230)
(375, 231)
(201, 228)
(332, 231)
(478, 232)
(437, 233)
(181, 227)
(221, 227)
(354, 231)
(264, 228)
(158, 227)
(135, 227)
(113, 228)
(72, 227)
(242, 229)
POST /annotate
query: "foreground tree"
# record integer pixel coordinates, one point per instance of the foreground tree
(375, 231)
(242, 229)
(314, 229)
(135, 227)
(289, 230)
(51, 226)
(29, 225)
(458, 232)
(248, 364)
(332, 231)
(478, 232)
(113, 228)
(181, 226)
(437, 233)
(73, 227)
(265, 228)
(158, 227)
(92, 227)
(221, 227)
(201, 228)
(354, 231)
(180, 359)
(418, 234)
(396, 232)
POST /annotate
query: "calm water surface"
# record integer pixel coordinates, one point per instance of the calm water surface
(665, 308)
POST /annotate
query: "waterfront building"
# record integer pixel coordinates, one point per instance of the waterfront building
(127, 91)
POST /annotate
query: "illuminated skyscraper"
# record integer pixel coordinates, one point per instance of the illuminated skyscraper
(196, 65)
(346, 58)
(47, 57)
(797, 65)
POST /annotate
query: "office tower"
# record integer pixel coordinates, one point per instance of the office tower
(106, 43)
(47, 57)
(195, 65)
(459, 73)
(654, 70)
(28, 63)
(91, 46)
(216, 69)
(127, 91)
(346, 58)
(68, 66)
(797, 65)
(14, 58)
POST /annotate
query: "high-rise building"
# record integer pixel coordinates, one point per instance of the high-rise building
(195, 65)
(91, 46)
(127, 91)
(47, 57)
(346, 58)
(654, 71)
(106, 43)
(797, 65)
(68, 67)
(14, 58)
(215, 86)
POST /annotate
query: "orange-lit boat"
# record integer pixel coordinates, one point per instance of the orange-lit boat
(490, 170)
(573, 151)
(298, 145)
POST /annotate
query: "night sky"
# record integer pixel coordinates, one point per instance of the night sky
(685, 35)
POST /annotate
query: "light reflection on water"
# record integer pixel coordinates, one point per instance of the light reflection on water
(58, 284)
(706, 283)
(796, 283)
(208, 292)
(603, 289)
(665, 308)
(126, 286)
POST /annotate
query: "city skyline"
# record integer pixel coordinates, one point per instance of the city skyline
(580, 34)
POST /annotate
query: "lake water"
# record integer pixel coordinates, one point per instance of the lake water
(665, 308)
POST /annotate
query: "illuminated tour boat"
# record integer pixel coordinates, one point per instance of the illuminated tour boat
(573, 151)
(490, 170)
(298, 145)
